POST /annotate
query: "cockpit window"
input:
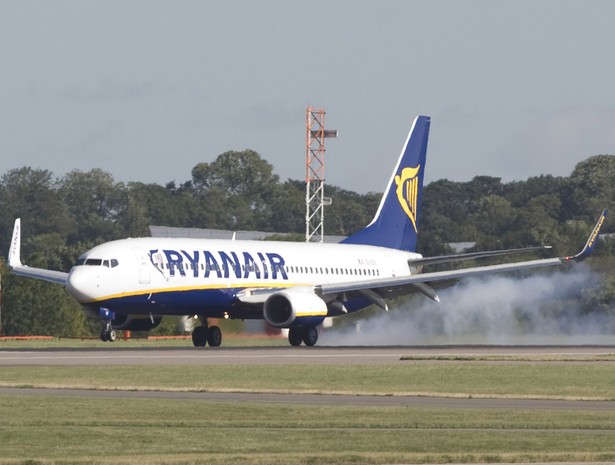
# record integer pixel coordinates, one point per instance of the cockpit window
(109, 263)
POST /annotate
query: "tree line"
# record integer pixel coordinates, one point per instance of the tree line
(64, 216)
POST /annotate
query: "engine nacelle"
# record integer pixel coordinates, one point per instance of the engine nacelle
(294, 307)
(135, 322)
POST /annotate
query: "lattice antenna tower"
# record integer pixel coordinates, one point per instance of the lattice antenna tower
(315, 199)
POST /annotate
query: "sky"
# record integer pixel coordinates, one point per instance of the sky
(146, 89)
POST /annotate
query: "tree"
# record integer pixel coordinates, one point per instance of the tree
(94, 200)
(236, 190)
(347, 214)
(30, 194)
(590, 188)
(36, 307)
(288, 208)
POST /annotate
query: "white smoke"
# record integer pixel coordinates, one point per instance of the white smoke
(538, 309)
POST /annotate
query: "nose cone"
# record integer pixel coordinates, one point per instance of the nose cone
(82, 283)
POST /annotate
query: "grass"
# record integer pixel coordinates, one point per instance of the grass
(40, 429)
(589, 381)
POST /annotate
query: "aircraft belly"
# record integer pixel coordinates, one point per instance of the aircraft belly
(180, 302)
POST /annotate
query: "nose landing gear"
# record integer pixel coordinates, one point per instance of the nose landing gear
(107, 334)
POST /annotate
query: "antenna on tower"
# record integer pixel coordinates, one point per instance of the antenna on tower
(315, 199)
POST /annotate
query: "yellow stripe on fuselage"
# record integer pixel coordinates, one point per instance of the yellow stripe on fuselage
(193, 288)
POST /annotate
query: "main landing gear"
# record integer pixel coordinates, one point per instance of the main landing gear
(308, 335)
(205, 334)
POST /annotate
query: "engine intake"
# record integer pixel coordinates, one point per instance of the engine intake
(288, 308)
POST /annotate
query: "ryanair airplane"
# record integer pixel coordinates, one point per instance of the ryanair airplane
(131, 284)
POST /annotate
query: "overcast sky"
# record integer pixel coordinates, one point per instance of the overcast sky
(148, 89)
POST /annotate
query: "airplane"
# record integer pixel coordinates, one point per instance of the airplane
(130, 284)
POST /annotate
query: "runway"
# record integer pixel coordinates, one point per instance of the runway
(323, 399)
(270, 355)
(293, 356)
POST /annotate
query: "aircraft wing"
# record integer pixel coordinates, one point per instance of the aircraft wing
(376, 290)
(17, 268)
(472, 256)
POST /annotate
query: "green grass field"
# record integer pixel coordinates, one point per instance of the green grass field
(63, 430)
(43, 429)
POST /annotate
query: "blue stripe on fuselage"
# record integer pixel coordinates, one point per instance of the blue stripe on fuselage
(184, 302)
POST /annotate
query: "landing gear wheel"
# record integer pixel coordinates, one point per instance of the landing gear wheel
(107, 334)
(310, 336)
(214, 336)
(295, 337)
(199, 336)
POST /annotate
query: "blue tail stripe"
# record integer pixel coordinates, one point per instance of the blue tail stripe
(396, 222)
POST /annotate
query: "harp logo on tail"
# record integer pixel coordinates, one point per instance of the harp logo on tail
(408, 192)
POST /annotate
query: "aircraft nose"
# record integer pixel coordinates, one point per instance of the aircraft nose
(81, 284)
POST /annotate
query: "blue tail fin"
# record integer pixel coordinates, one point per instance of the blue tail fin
(396, 222)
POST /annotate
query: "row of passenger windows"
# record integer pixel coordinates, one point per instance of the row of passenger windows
(334, 271)
(288, 269)
(112, 263)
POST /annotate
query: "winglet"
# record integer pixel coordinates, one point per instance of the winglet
(15, 249)
(19, 269)
(590, 245)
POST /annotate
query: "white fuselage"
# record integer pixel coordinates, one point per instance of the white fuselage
(157, 274)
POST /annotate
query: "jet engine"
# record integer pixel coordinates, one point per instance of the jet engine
(294, 307)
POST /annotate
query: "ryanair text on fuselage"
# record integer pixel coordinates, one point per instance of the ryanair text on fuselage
(204, 263)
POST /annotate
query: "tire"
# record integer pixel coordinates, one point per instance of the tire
(199, 336)
(310, 336)
(295, 337)
(214, 336)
